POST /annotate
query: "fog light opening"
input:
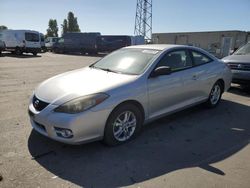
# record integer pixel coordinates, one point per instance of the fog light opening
(64, 133)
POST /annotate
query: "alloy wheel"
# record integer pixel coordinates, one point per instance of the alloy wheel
(124, 126)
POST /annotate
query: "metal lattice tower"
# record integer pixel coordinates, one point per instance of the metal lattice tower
(143, 19)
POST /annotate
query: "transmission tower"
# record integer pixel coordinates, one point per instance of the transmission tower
(143, 19)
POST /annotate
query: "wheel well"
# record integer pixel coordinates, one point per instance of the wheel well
(221, 81)
(134, 102)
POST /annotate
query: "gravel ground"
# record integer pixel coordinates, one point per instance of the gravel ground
(197, 147)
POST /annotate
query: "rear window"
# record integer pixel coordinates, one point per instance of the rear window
(54, 39)
(199, 58)
(32, 37)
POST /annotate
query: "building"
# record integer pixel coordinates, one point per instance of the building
(219, 43)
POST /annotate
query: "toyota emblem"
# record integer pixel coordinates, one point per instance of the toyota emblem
(36, 103)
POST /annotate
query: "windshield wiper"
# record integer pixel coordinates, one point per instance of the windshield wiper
(109, 70)
(105, 69)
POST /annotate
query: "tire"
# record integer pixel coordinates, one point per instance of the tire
(119, 132)
(215, 95)
(18, 51)
(55, 50)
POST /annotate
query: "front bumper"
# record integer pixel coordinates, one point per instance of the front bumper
(86, 126)
(241, 77)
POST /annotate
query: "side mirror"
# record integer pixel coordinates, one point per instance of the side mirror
(163, 70)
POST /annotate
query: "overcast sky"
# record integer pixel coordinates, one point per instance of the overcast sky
(118, 16)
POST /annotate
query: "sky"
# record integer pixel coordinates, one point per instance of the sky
(118, 16)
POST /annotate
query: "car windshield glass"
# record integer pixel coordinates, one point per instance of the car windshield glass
(126, 61)
(54, 39)
(243, 50)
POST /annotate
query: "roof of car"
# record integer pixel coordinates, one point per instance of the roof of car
(157, 46)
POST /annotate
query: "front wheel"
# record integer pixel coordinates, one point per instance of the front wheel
(124, 124)
(215, 95)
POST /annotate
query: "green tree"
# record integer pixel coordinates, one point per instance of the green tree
(64, 26)
(76, 26)
(52, 31)
(70, 24)
(3, 27)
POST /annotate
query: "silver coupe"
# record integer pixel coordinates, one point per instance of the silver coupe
(113, 98)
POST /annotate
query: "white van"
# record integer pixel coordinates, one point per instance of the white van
(20, 41)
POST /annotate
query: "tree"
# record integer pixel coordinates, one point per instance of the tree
(70, 24)
(64, 26)
(3, 27)
(52, 31)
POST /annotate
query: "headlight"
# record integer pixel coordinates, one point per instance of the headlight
(82, 103)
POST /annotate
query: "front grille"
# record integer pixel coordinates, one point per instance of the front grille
(39, 104)
(239, 66)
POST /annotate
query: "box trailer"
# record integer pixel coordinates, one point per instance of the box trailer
(77, 42)
(109, 43)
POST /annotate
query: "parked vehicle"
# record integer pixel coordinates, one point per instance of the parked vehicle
(109, 43)
(112, 98)
(137, 40)
(77, 42)
(50, 41)
(239, 62)
(42, 41)
(20, 41)
(2, 46)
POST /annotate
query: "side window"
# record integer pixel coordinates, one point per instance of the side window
(176, 60)
(199, 58)
(32, 37)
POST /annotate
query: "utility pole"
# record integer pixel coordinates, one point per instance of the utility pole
(143, 19)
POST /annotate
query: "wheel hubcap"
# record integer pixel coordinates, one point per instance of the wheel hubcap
(215, 94)
(124, 126)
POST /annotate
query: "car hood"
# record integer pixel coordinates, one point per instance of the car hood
(237, 59)
(81, 82)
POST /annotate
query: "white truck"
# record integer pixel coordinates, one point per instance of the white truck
(21, 41)
(50, 41)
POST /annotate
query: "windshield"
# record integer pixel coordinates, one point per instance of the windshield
(244, 50)
(126, 61)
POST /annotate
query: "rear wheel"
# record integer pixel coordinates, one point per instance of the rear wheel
(124, 124)
(215, 95)
(18, 51)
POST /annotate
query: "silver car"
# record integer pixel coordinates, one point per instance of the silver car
(111, 99)
(239, 62)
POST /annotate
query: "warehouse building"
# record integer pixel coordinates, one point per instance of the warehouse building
(219, 43)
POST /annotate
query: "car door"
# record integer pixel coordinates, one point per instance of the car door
(201, 78)
(166, 92)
